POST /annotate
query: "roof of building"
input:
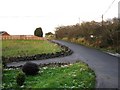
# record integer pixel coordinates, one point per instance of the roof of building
(2, 32)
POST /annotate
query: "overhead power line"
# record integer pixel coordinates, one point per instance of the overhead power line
(109, 7)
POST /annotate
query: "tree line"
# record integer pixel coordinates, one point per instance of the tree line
(98, 34)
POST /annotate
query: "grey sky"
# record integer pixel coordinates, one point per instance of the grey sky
(24, 16)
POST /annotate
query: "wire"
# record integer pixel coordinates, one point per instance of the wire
(109, 7)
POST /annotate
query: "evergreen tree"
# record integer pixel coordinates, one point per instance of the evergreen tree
(38, 32)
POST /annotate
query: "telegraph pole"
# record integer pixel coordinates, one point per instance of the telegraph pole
(102, 20)
(79, 20)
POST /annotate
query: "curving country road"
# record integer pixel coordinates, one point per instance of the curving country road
(104, 65)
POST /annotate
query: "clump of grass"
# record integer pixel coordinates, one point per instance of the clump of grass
(16, 48)
(77, 75)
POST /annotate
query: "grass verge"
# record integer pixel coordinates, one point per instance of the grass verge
(17, 48)
(105, 49)
(77, 75)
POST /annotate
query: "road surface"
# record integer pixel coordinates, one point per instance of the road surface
(104, 65)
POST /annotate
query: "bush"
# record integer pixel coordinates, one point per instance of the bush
(4, 61)
(30, 68)
(38, 32)
(20, 78)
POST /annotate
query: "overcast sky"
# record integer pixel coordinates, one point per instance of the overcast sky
(21, 17)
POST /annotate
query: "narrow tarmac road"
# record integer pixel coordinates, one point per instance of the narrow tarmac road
(104, 65)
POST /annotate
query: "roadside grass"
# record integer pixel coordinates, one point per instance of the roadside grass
(85, 43)
(16, 48)
(77, 75)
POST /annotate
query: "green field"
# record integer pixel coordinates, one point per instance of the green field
(77, 75)
(16, 48)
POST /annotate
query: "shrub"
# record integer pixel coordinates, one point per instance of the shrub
(38, 32)
(4, 61)
(30, 68)
(20, 78)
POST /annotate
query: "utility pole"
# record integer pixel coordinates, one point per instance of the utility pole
(102, 20)
(79, 20)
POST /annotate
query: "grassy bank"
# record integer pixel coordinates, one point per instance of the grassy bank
(15, 48)
(92, 44)
(77, 75)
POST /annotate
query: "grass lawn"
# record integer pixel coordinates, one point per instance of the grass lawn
(77, 75)
(15, 48)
